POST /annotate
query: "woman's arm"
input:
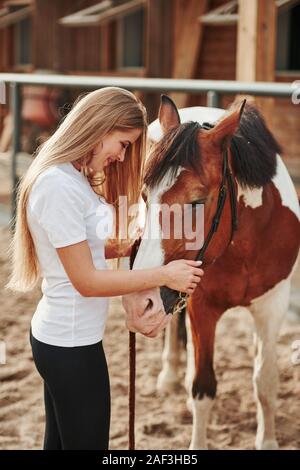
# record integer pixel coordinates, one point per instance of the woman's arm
(91, 282)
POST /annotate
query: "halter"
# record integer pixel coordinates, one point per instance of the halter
(180, 299)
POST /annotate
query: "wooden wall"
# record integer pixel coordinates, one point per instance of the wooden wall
(217, 60)
(92, 50)
(61, 48)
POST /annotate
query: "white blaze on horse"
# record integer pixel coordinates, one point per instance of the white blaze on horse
(249, 255)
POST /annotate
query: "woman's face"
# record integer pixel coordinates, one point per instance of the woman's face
(113, 147)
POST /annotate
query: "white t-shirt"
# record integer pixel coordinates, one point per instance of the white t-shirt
(62, 210)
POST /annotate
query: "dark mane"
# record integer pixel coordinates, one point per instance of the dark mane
(254, 150)
(179, 147)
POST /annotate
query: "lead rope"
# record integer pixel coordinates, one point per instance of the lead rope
(132, 370)
(132, 366)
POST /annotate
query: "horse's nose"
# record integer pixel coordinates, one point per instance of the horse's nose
(149, 304)
(152, 302)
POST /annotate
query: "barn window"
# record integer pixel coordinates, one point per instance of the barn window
(17, 14)
(23, 42)
(130, 40)
(288, 39)
(127, 20)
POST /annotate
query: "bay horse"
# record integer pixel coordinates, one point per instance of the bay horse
(249, 258)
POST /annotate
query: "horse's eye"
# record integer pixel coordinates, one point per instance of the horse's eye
(199, 201)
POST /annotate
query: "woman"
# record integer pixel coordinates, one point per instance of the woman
(60, 237)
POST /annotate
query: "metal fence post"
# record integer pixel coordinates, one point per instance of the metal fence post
(16, 110)
(213, 99)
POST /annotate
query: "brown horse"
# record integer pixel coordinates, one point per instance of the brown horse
(249, 259)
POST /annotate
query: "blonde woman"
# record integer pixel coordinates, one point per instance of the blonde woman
(95, 156)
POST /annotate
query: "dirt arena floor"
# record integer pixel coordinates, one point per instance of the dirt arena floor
(162, 422)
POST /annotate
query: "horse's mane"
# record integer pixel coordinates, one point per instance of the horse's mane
(178, 148)
(254, 150)
(253, 147)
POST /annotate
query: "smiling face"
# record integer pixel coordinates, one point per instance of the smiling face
(113, 147)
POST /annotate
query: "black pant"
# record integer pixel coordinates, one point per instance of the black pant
(76, 393)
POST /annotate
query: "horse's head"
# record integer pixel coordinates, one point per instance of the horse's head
(183, 177)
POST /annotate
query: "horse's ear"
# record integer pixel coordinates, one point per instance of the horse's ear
(168, 114)
(226, 127)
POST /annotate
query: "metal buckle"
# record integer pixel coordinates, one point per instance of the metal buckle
(181, 303)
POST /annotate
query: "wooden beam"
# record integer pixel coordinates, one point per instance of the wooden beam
(256, 40)
(224, 14)
(89, 16)
(15, 17)
(286, 4)
(13, 3)
(266, 41)
(187, 42)
(4, 11)
(257, 46)
(247, 41)
(219, 20)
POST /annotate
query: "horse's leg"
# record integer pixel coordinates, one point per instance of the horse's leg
(268, 312)
(203, 390)
(190, 362)
(168, 377)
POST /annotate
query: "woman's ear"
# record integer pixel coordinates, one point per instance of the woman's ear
(226, 127)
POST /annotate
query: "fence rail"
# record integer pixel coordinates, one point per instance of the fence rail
(213, 89)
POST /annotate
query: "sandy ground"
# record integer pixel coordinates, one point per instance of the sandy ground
(162, 422)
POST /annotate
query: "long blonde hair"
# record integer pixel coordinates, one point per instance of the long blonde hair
(92, 116)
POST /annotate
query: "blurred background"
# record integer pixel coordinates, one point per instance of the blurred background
(246, 41)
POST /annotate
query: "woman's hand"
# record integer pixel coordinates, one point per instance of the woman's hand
(149, 324)
(183, 275)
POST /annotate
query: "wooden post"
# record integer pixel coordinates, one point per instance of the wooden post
(257, 45)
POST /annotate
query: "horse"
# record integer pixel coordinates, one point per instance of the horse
(250, 250)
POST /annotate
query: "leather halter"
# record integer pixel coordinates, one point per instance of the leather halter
(180, 299)
(227, 177)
